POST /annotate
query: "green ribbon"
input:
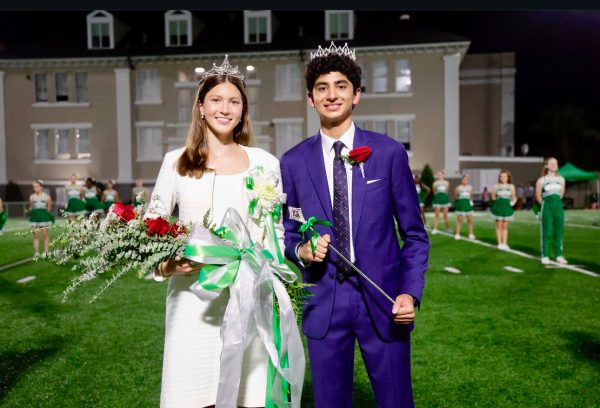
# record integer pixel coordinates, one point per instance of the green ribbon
(308, 226)
(272, 371)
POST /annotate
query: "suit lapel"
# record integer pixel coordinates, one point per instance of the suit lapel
(316, 170)
(359, 184)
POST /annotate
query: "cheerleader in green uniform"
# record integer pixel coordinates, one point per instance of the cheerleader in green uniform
(75, 205)
(40, 217)
(549, 190)
(441, 201)
(139, 188)
(110, 195)
(421, 188)
(90, 194)
(504, 197)
(3, 216)
(463, 206)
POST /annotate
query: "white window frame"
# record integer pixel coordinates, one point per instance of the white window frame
(350, 14)
(249, 14)
(142, 99)
(35, 85)
(374, 84)
(279, 149)
(78, 99)
(53, 129)
(178, 16)
(361, 120)
(149, 125)
(66, 75)
(100, 17)
(284, 91)
(397, 75)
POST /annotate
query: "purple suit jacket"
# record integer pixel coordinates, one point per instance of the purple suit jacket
(375, 206)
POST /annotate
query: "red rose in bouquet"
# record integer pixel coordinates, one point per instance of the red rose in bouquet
(125, 212)
(177, 230)
(157, 226)
(360, 154)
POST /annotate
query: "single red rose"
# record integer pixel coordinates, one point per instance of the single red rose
(360, 154)
(157, 226)
(177, 230)
(125, 212)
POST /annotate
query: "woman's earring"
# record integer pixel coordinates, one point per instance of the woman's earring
(202, 116)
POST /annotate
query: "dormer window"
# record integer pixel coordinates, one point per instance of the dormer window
(339, 24)
(178, 28)
(257, 27)
(100, 30)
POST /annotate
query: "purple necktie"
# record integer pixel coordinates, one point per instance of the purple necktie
(341, 225)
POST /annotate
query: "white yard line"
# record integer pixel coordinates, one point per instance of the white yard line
(525, 255)
(451, 269)
(513, 269)
(567, 225)
(26, 279)
(12, 265)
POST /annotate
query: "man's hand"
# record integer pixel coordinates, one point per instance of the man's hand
(305, 251)
(404, 309)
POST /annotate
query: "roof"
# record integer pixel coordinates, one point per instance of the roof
(63, 34)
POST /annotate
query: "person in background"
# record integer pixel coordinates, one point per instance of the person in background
(485, 198)
(441, 201)
(463, 206)
(549, 191)
(3, 216)
(504, 197)
(110, 195)
(40, 218)
(135, 191)
(75, 205)
(422, 188)
(90, 193)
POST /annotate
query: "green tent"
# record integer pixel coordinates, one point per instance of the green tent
(572, 173)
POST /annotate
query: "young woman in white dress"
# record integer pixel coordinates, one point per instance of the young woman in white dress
(208, 174)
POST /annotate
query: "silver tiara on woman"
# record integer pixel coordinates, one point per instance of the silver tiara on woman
(342, 51)
(224, 69)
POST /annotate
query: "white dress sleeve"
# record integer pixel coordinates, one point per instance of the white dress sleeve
(164, 194)
(163, 198)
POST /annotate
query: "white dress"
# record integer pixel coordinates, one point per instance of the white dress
(192, 334)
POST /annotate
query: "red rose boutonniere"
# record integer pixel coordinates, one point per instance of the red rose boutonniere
(358, 156)
(157, 226)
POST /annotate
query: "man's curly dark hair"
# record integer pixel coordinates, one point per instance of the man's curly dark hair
(331, 63)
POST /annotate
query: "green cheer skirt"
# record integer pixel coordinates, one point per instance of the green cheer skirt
(502, 210)
(75, 206)
(3, 218)
(441, 200)
(94, 205)
(463, 206)
(40, 217)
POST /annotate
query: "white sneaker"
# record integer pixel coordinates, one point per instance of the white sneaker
(434, 231)
(506, 247)
(1, 232)
(471, 236)
(36, 255)
(545, 260)
(561, 260)
(500, 246)
(457, 237)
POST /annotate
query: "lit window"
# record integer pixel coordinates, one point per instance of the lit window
(63, 150)
(339, 24)
(403, 77)
(42, 144)
(83, 141)
(257, 27)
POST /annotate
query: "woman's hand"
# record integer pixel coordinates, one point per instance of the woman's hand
(177, 265)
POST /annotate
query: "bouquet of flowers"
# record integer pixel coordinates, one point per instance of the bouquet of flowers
(124, 241)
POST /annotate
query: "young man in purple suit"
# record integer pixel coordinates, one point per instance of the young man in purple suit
(363, 201)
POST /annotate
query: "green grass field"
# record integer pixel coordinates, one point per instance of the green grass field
(484, 337)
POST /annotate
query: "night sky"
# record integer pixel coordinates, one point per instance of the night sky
(557, 62)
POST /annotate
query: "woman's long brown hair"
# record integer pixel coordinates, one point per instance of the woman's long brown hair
(545, 168)
(192, 161)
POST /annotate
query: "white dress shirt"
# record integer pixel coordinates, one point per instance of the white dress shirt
(329, 155)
